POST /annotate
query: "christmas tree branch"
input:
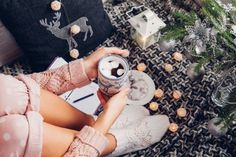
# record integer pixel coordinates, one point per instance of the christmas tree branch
(187, 18)
(173, 32)
(227, 115)
(201, 62)
(227, 110)
(214, 9)
(216, 23)
(234, 3)
(228, 36)
(215, 13)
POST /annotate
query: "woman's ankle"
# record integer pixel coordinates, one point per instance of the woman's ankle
(111, 146)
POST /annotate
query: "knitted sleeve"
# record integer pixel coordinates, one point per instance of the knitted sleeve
(64, 78)
(89, 143)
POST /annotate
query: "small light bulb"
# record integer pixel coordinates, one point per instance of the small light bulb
(159, 93)
(168, 67)
(177, 56)
(141, 67)
(143, 39)
(153, 106)
(173, 127)
(181, 112)
(176, 94)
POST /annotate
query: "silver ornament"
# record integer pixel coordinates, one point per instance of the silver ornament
(216, 130)
(167, 45)
(193, 75)
(199, 36)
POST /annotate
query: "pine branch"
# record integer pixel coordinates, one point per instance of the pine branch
(187, 18)
(216, 23)
(214, 8)
(215, 13)
(229, 37)
(233, 16)
(227, 110)
(214, 17)
(230, 46)
(173, 32)
(227, 115)
(202, 62)
(234, 3)
(232, 97)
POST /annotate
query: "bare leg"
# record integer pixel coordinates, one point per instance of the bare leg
(111, 146)
(57, 140)
(58, 112)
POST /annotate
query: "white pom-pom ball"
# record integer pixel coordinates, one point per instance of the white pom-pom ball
(74, 53)
(55, 5)
(75, 29)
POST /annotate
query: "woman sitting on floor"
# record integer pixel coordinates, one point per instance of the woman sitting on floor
(35, 122)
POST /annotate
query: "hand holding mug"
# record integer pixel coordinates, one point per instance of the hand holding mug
(116, 103)
(91, 62)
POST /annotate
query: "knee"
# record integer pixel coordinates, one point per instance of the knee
(14, 132)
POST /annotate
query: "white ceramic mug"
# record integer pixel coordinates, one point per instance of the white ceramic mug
(111, 85)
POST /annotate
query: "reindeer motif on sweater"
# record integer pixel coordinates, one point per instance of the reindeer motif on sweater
(64, 32)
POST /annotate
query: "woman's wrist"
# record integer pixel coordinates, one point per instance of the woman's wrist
(89, 70)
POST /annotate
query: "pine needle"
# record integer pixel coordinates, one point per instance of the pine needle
(187, 18)
(174, 33)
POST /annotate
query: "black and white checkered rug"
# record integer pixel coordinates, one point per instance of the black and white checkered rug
(192, 138)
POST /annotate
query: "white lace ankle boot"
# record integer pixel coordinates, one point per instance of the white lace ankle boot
(140, 135)
(130, 114)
